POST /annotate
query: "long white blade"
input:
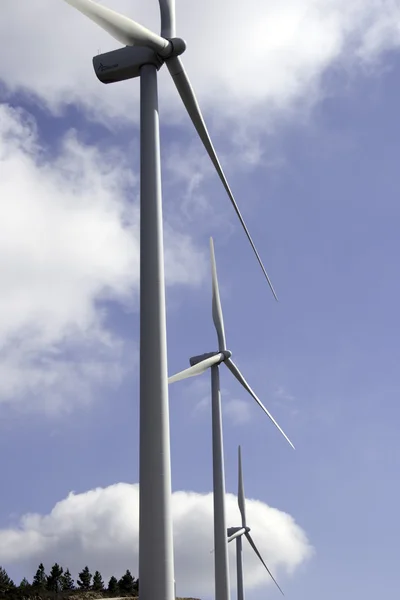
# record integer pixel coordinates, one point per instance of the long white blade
(123, 29)
(216, 302)
(167, 10)
(252, 544)
(235, 371)
(236, 534)
(241, 497)
(186, 92)
(197, 369)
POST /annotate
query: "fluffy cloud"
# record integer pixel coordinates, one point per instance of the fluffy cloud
(100, 528)
(259, 54)
(68, 246)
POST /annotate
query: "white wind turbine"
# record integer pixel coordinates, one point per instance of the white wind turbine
(200, 364)
(236, 533)
(143, 54)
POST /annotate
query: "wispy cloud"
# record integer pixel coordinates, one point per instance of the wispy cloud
(69, 247)
(236, 410)
(284, 398)
(282, 394)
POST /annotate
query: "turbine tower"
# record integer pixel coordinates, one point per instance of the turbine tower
(143, 54)
(236, 533)
(200, 364)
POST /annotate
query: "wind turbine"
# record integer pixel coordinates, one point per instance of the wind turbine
(143, 54)
(200, 364)
(236, 533)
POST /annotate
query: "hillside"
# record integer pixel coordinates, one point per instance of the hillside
(32, 594)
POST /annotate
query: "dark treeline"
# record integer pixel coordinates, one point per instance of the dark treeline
(59, 583)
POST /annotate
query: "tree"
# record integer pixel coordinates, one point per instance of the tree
(24, 583)
(126, 584)
(98, 583)
(6, 583)
(54, 579)
(67, 583)
(84, 579)
(113, 585)
(40, 578)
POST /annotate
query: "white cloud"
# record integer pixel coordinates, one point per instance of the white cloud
(68, 245)
(260, 55)
(282, 394)
(238, 410)
(100, 528)
(267, 58)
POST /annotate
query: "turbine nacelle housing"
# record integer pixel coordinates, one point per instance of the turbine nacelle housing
(233, 530)
(198, 359)
(125, 63)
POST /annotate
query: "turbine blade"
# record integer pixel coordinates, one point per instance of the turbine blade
(252, 544)
(241, 496)
(167, 10)
(237, 534)
(216, 302)
(197, 369)
(236, 373)
(186, 92)
(123, 29)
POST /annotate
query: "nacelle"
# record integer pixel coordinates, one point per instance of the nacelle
(124, 63)
(196, 359)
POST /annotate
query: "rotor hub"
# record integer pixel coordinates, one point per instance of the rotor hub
(178, 46)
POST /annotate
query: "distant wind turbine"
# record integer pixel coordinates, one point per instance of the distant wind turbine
(200, 364)
(236, 533)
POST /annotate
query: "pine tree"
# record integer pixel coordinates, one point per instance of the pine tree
(113, 585)
(84, 579)
(40, 578)
(67, 583)
(126, 584)
(6, 583)
(98, 583)
(54, 579)
(24, 583)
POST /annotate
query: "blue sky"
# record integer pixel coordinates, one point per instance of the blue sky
(310, 144)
